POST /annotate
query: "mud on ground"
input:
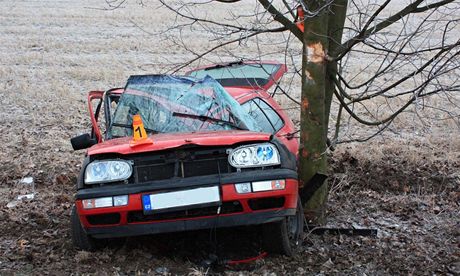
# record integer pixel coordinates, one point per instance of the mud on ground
(52, 53)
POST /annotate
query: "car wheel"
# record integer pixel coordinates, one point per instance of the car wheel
(80, 239)
(284, 237)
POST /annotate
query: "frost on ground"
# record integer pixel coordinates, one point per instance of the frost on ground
(404, 184)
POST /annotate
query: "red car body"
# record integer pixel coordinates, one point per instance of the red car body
(234, 208)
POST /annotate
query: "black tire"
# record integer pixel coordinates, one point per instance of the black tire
(80, 238)
(284, 237)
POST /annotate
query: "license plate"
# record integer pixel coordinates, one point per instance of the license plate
(178, 199)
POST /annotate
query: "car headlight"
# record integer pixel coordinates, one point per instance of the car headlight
(107, 171)
(257, 155)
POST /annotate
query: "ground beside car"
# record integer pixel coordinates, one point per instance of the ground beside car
(403, 184)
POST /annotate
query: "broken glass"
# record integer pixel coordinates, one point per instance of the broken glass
(169, 104)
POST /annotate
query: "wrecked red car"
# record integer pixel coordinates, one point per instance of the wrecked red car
(178, 153)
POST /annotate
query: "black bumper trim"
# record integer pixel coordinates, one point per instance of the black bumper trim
(188, 225)
(180, 183)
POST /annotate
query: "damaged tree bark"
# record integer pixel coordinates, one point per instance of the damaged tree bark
(323, 33)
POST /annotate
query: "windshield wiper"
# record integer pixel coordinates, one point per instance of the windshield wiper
(207, 118)
(131, 127)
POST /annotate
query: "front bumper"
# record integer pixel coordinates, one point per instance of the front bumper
(234, 209)
(191, 224)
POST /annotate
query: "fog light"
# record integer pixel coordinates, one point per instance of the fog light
(270, 185)
(120, 200)
(243, 188)
(97, 202)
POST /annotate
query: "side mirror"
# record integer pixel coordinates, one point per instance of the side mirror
(83, 141)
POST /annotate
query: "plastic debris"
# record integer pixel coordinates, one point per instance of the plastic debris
(29, 192)
(28, 196)
(162, 270)
(27, 180)
(12, 204)
(15, 202)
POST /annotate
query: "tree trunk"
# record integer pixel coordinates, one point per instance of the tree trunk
(322, 33)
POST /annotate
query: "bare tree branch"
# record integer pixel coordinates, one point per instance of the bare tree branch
(278, 16)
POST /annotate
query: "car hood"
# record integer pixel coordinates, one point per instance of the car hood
(175, 140)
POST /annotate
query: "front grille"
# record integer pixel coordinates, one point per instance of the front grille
(205, 167)
(113, 218)
(226, 208)
(155, 172)
(231, 207)
(180, 163)
(266, 203)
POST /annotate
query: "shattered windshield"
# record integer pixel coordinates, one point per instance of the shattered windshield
(169, 104)
(239, 74)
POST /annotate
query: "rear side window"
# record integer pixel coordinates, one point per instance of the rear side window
(265, 116)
